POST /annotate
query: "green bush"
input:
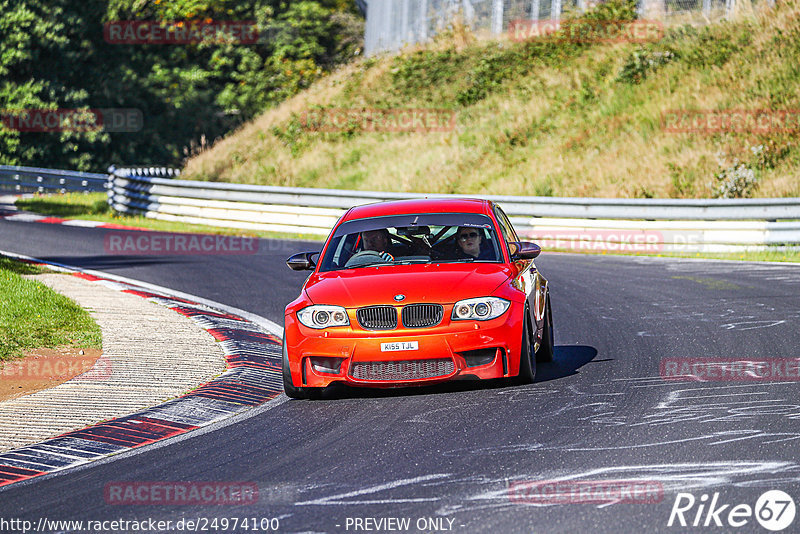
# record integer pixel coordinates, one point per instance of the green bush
(641, 62)
(739, 179)
(496, 65)
(711, 46)
(425, 69)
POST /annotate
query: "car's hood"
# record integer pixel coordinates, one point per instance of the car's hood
(442, 283)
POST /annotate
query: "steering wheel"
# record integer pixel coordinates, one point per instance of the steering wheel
(365, 257)
(438, 254)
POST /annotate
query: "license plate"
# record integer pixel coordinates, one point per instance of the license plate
(399, 345)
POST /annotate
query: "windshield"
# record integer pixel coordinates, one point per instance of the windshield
(416, 238)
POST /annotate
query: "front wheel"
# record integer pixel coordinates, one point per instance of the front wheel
(527, 360)
(288, 387)
(545, 352)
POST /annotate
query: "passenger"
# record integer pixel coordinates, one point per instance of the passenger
(470, 244)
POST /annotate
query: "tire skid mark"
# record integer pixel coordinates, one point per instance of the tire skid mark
(252, 377)
(456, 495)
(495, 493)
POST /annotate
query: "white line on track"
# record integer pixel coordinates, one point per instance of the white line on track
(263, 322)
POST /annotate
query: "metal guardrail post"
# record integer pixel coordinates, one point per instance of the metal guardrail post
(390, 24)
(497, 17)
(555, 10)
(730, 6)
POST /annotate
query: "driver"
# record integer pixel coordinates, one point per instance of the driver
(379, 241)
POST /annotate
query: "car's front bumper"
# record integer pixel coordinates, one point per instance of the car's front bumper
(453, 350)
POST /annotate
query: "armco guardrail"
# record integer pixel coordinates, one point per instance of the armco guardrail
(35, 180)
(647, 225)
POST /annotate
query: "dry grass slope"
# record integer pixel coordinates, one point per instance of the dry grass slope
(545, 118)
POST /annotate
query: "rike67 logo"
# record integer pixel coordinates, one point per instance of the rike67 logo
(774, 510)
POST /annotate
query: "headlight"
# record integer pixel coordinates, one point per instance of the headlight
(323, 316)
(479, 309)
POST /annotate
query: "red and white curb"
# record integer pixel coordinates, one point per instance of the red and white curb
(36, 218)
(14, 215)
(252, 346)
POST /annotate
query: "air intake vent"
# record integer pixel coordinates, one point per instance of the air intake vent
(475, 358)
(422, 315)
(377, 317)
(403, 370)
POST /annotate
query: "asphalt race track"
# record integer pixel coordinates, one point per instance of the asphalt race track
(450, 457)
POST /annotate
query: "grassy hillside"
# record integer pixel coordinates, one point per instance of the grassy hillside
(545, 117)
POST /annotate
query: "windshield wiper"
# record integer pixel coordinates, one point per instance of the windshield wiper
(408, 262)
(370, 264)
(459, 260)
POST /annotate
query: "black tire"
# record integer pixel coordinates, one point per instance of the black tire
(527, 361)
(288, 387)
(545, 352)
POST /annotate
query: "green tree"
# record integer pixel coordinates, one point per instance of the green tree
(53, 55)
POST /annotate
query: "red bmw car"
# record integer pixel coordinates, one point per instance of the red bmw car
(417, 292)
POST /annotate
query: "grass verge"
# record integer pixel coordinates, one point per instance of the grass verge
(33, 316)
(68, 205)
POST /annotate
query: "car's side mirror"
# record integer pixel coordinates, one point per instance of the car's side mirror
(302, 261)
(523, 250)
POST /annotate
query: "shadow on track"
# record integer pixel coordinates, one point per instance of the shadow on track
(566, 362)
(567, 359)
